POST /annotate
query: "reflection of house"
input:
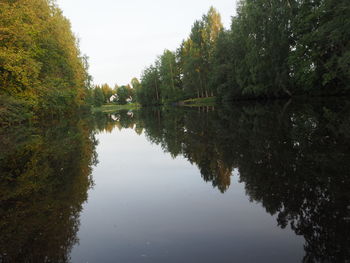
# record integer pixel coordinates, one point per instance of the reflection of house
(115, 118)
(130, 114)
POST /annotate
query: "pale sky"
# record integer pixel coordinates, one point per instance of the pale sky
(121, 38)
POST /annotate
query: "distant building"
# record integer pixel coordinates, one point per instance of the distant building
(113, 98)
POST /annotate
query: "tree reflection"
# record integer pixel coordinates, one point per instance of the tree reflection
(296, 163)
(293, 158)
(45, 175)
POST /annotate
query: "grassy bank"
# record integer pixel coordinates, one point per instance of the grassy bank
(109, 108)
(211, 101)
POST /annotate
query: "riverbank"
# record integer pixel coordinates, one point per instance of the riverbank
(109, 108)
(197, 102)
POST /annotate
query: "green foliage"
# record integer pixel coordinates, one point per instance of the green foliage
(170, 81)
(40, 61)
(136, 86)
(196, 55)
(98, 96)
(107, 92)
(321, 57)
(150, 93)
(14, 111)
(123, 93)
(273, 49)
(284, 48)
(184, 73)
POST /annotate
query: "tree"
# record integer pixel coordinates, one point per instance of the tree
(321, 51)
(123, 94)
(196, 54)
(150, 93)
(186, 72)
(40, 60)
(170, 82)
(107, 92)
(99, 98)
(136, 86)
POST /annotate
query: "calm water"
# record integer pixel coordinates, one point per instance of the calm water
(249, 183)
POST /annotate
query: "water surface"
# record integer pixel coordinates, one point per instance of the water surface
(249, 183)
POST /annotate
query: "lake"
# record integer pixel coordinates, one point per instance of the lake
(248, 182)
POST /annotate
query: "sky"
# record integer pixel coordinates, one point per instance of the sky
(123, 37)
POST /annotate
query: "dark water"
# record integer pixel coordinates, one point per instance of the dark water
(248, 183)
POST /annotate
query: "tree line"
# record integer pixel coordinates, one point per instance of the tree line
(41, 68)
(103, 94)
(273, 49)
